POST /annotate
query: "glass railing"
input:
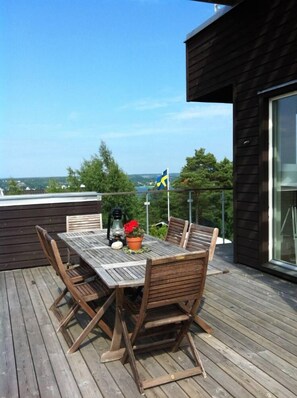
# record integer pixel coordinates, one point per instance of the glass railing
(19, 247)
(209, 206)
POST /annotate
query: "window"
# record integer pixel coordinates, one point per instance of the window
(283, 180)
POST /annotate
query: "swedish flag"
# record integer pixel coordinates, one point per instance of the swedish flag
(161, 181)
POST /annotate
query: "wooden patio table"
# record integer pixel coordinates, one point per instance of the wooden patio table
(118, 269)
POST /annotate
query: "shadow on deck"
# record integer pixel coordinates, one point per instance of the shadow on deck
(252, 352)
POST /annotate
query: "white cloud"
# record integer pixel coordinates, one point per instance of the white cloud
(152, 103)
(191, 120)
(202, 111)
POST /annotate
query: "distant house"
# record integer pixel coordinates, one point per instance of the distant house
(246, 55)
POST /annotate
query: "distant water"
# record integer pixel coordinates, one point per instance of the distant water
(143, 188)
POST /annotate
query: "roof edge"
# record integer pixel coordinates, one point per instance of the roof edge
(209, 21)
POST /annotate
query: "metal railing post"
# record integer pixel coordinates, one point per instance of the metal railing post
(147, 203)
(190, 201)
(223, 215)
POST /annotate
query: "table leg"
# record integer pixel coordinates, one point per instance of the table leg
(116, 352)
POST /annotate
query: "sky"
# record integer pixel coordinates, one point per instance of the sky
(74, 73)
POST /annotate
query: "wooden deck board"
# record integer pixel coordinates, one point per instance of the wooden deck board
(252, 352)
(27, 382)
(8, 376)
(44, 372)
(56, 347)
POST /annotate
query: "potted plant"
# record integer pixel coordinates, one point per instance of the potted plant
(134, 234)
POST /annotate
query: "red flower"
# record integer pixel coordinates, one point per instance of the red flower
(132, 228)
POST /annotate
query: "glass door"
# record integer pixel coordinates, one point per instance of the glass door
(283, 180)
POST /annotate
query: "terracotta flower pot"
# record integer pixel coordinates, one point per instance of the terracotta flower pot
(134, 243)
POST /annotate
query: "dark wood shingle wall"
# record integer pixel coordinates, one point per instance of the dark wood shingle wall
(250, 49)
(19, 245)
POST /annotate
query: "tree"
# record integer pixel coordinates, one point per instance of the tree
(13, 187)
(53, 186)
(103, 175)
(202, 171)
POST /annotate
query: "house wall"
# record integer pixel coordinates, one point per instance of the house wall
(245, 57)
(19, 244)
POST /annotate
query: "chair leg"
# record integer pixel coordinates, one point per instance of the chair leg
(67, 318)
(129, 353)
(54, 307)
(200, 322)
(195, 353)
(68, 264)
(181, 334)
(95, 320)
(92, 314)
(179, 375)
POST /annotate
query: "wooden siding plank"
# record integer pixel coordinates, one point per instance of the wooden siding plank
(247, 243)
(245, 188)
(20, 248)
(247, 170)
(250, 207)
(247, 161)
(253, 253)
(249, 233)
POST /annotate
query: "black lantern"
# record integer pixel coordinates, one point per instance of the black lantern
(115, 228)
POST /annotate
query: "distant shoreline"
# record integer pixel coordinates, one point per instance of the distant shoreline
(142, 182)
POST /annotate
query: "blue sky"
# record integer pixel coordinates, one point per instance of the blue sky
(78, 72)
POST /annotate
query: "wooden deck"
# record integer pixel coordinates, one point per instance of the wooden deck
(252, 352)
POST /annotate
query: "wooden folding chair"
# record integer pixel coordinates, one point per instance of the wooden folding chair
(76, 274)
(169, 281)
(84, 296)
(176, 232)
(82, 222)
(200, 237)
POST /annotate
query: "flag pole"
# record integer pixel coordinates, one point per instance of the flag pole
(168, 195)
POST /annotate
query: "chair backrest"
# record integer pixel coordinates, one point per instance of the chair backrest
(84, 222)
(200, 237)
(177, 230)
(57, 262)
(45, 239)
(55, 257)
(174, 280)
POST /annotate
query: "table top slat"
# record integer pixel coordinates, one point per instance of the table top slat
(117, 267)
